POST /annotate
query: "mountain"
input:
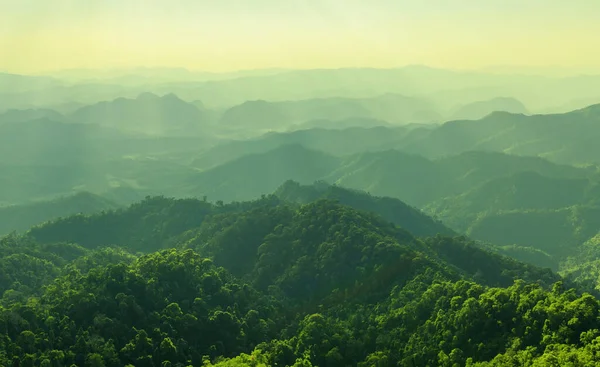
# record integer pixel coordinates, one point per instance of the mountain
(480, 109)
(281, 115)
(22, 217)
(393, 210)
(253, 175)
(148, 113)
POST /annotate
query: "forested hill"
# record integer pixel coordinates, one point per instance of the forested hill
(275, 283)
(391, 209)
(144, 226)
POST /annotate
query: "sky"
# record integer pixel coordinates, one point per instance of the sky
(225, 35)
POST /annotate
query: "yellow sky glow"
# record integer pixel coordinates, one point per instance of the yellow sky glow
(225, 35)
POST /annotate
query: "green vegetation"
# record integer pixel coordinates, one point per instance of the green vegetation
(272, 283)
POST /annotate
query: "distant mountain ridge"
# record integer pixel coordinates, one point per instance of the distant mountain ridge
(568, 138)
(392, 108)
(480, 109)
(148, 113)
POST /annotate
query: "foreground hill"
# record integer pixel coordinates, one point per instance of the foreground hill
(155, 215)
(390, 209)
(263, 283)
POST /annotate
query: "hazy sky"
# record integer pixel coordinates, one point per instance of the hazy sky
(223, 35)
